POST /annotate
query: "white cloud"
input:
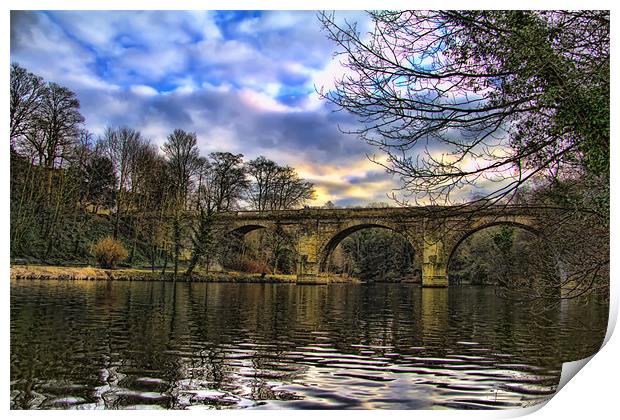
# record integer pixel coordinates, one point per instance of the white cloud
(263, 102)
(45, 47)
(143, 90)
(213, 51)
(159, 71)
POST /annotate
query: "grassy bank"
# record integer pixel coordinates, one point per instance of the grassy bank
(46, 272)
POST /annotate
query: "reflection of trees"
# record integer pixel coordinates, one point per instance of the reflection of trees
(243, 341)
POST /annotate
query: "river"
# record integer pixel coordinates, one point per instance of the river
(104, 344)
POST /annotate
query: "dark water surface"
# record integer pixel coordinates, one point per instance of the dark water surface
(81, 344)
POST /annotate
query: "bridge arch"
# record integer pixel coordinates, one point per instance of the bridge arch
(245, 229)
(336, 238)
(482, 225)
(241, 230)
(279, 236)
(231, 240)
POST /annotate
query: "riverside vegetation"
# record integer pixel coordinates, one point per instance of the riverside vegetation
(76, 198)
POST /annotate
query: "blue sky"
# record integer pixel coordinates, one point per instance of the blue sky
(244, 81)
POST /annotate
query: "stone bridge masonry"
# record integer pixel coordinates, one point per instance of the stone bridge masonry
(434, 232)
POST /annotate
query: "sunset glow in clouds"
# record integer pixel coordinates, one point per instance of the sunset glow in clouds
(244, 81)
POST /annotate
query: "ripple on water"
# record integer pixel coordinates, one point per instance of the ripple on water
(529, 389)
(64, 402)
(365, 376)
(139, 345)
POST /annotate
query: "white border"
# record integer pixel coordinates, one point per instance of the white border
(592, 394)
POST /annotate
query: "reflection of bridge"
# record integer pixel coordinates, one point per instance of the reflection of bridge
(434, 232)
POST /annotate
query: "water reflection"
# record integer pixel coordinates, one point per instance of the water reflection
(160, 345)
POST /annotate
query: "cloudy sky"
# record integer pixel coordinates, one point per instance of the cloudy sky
(243, 81)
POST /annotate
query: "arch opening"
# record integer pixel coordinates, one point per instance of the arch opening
(370, 253)
(506, 254)
(245, 229)
(260, 249)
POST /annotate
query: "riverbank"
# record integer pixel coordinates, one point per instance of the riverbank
(46, 272)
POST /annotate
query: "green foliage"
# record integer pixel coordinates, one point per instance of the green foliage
(502, 255)
(503, 240)
(109, 252)
(374, 255)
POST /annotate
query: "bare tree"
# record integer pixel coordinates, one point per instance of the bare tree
(182, 153)
(121, 145)
(262, 171)
(459, 98)
(183, 161)
(506, 106)
(276, 187)
(59, 122)
(143, 168)
(228, 181)
(288, 190)
(222, 183)
(26, 92)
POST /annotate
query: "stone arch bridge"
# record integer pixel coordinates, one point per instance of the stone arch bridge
(434, 232)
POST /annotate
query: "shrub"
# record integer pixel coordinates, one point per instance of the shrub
(109, 251)
(248, 265)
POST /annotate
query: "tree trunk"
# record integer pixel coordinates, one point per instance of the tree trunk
(163, 270)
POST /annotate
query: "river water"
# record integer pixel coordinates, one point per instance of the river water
(98, 344)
